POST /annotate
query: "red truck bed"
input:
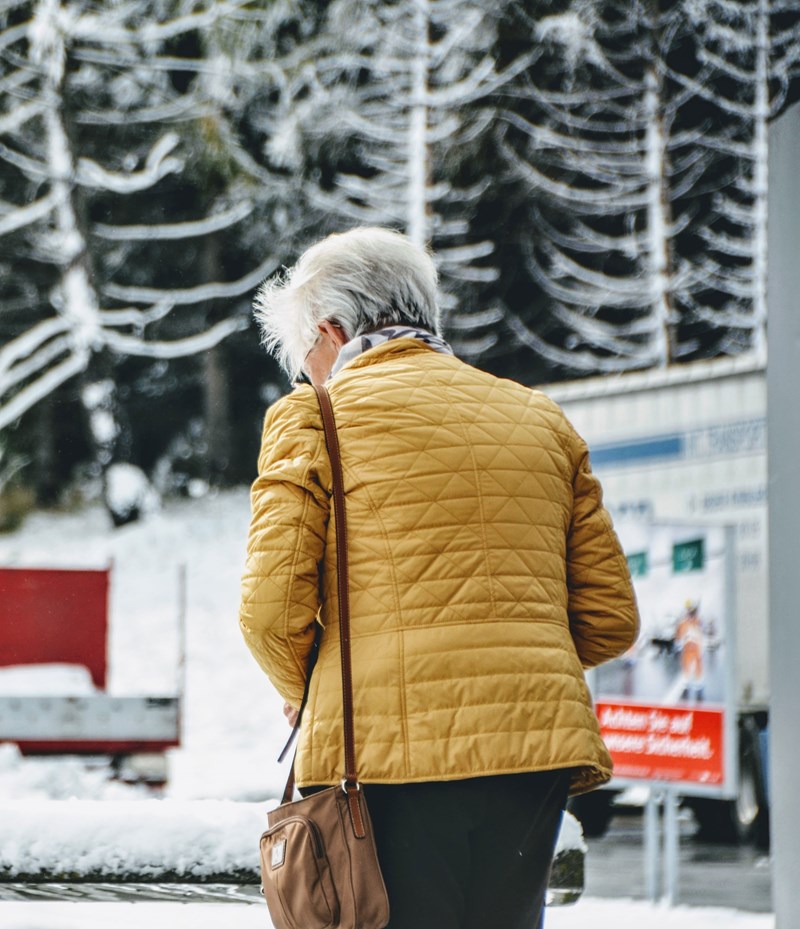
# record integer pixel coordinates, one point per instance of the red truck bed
(60, 616)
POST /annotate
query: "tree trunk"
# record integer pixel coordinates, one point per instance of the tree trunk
(418, 154)
(217, 414)
(216, 388)
(45, 478)
(658, 219)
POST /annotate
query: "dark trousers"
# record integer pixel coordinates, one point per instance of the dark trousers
(470, 854)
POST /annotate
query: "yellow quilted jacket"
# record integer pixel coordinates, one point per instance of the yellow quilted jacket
(484, 572)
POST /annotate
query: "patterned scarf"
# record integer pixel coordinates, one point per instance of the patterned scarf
(362, 343)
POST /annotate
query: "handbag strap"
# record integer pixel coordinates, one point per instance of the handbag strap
(350, 783)
(342, 582)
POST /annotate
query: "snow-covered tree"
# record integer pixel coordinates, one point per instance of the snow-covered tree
(590, 174)
(406, 93)
(593, 138)
(750, 49)
(82, 68)
(177, 218)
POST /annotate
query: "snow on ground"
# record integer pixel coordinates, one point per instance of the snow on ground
(599, 914)
(190, 838)
(233, 725)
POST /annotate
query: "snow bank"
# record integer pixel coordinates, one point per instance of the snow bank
(137, 840)
(81, 839)
(59, 778)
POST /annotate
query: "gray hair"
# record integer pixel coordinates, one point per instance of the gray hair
(363, 280)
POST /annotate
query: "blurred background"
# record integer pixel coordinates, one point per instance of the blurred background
(592, 176)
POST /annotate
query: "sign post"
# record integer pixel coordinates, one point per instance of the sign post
(651, 843)
(667, 708)
(671, 844)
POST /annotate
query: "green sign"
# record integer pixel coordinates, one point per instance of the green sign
(688, 556)
(637, 564)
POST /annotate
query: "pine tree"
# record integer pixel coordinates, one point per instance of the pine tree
(42, 148)
(750, 50)
(405, 92)
(593, 142)
(119, 178)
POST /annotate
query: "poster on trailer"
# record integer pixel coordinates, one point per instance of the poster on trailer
(667, 707)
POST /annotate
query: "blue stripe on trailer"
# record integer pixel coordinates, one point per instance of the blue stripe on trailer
(660, 447)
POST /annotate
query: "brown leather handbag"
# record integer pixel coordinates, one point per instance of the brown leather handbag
(319, 865)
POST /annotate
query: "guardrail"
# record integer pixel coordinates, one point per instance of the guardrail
(200, 850)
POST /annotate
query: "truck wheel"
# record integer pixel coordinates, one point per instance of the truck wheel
(594, 810)
(715, 819)
(745, 819)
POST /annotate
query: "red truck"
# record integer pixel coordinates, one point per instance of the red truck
(60, 616)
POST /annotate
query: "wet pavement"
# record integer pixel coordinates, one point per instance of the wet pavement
(709, 874)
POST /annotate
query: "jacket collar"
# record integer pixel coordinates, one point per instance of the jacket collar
(389, 334)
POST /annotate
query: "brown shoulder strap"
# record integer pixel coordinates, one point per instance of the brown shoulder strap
(350, 783)
(343, 587)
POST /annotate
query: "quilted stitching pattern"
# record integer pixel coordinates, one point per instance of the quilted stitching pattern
(484, 572)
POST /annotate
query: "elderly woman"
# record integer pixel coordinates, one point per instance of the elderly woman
(484, 575)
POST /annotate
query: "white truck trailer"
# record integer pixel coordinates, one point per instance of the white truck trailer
(689, 444)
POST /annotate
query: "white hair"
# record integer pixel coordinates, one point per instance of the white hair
(363, 280)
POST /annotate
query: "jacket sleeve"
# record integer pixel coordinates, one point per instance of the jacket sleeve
(603, 616)
(286, 543)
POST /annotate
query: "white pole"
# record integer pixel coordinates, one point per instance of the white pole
(651, 843)
(182, 646)
(783, 412)
(671, 845)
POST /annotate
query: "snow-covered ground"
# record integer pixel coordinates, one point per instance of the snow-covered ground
(233, 725)
(599, 914)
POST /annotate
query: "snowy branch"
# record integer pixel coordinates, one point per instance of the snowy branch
(14, 217)
(179, 348)
(186, 230)
(477, 320)
(99, 28)
(13, 34)
(42, 358)
(29, 396)
(31, 168)
(20, 115)
(582, 361)
(186, 107)
(157, 166)
(570, 282)
(29, 342)
(628, 194)
(199, 294)
(131, 316)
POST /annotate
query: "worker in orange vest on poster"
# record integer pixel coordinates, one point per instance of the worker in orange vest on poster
(691, 642)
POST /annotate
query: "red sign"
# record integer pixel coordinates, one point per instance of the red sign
(664, 743)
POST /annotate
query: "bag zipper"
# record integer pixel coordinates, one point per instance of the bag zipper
(316, 839)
